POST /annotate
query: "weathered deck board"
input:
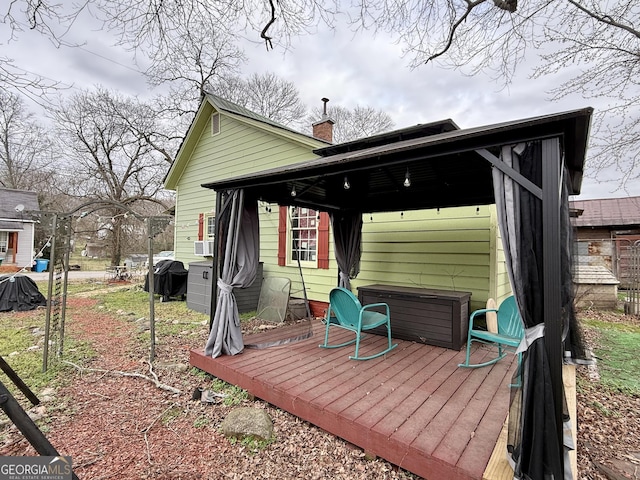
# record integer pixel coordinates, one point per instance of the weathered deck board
(413, 407)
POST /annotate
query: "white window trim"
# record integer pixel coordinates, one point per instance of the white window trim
(304, 263)
(207, 233)
(4, 242)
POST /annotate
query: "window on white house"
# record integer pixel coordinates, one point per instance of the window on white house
(211, 226)
(4, 241)
(303, 235)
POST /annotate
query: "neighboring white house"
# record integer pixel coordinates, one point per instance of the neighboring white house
(17, 227)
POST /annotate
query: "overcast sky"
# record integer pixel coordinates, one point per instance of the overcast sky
(349, 70)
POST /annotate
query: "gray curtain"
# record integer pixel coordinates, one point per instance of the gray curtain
(241, 248)
(347, 237)
(533, 444)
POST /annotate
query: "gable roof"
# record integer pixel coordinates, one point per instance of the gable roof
(214, 103)
(606, 212)
(452, 168)
(10, 199)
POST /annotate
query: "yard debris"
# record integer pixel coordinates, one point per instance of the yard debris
(209, 396)
(153, 380)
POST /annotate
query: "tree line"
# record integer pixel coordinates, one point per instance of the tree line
(192, 46)
(112, 152)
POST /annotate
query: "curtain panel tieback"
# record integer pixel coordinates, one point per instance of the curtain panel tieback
(531, 334)
(225, 288)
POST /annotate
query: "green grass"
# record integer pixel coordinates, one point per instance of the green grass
(235, 395)
(88, 264)
(201, 421)
(252, 444)
(21, 347)
(617, 354)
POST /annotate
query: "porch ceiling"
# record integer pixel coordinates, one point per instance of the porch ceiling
(446, 169)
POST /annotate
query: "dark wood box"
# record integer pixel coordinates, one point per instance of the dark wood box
(435, 317)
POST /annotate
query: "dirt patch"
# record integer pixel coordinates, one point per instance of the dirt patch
(121, 427)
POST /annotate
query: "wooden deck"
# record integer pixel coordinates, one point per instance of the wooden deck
(413, 407)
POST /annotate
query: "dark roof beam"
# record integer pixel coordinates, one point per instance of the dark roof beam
(307, 187)
(508, 170)
(397, 186)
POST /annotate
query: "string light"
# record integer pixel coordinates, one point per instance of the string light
(293, 191)
(407, 179)
(346, 183)
(266, 205)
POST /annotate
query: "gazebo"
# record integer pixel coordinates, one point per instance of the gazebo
(527, 167)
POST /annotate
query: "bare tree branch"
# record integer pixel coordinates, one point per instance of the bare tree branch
(454, 27)
(263, 34)
(606, 19)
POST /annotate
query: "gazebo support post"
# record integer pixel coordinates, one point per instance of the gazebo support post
(217, 258)
(551, 241)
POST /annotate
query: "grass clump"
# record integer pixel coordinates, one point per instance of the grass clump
(251, 443)
(617, 355)
(201, 422)
(235, 395)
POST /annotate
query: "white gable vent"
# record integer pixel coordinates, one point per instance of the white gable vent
(215, 124)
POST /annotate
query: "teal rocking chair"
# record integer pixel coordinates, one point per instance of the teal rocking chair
(508, 337)
(345, 311)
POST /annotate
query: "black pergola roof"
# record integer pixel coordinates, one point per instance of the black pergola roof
(447, 166)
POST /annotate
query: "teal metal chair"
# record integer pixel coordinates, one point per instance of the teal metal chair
(508, 337)
(346, 311)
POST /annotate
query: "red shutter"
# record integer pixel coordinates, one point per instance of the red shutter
(282, 236)
(201, 226)
(323, 241)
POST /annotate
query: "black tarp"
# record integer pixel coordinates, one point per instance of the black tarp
(19, 293)
(169, 279)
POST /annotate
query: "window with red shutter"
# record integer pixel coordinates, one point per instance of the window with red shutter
(303, 234)
(201, 226)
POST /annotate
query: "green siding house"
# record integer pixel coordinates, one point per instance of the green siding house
(449, 248)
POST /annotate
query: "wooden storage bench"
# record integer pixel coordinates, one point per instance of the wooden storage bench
(435, 317)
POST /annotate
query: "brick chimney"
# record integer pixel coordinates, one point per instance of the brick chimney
(323, 129)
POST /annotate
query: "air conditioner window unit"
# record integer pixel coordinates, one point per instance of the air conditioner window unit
(203, 248)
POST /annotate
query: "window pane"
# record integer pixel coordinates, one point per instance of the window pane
(304, 226)
(4, 239)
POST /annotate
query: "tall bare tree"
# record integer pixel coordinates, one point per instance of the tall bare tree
(354, 124)
(602, 39)
(267, 94)
(191, 60)
(116, 155)
(25, 147)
